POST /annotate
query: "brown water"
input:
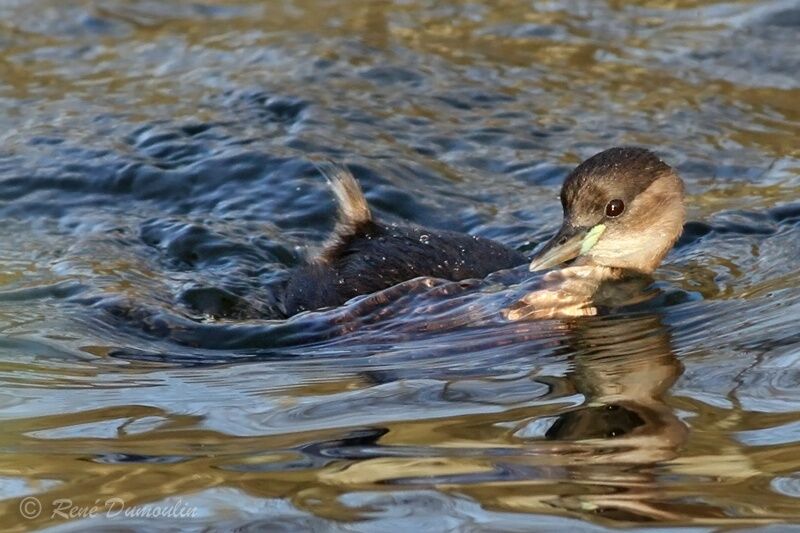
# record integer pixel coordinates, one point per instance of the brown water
(155, 186)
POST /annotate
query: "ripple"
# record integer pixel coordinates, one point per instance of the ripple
(156, 187)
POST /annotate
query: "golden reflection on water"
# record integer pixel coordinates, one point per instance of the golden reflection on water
(622, 456)
(625, 455)
(571, 66)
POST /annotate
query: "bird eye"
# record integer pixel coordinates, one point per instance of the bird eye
(615, 208)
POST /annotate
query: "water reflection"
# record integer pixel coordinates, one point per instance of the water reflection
(154, 184)
(623, 368)
(608, 455)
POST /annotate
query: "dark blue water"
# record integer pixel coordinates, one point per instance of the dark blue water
(156, 186)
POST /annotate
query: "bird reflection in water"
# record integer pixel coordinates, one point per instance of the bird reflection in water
(611, 456)
(623, 367)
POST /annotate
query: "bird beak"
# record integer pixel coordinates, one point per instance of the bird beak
(567, 244)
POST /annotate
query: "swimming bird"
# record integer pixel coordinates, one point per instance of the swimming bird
(623, 211)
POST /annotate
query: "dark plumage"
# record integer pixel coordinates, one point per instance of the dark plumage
(365, 256)
(623, 210)
(622, 172)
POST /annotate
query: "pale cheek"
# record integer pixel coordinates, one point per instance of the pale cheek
(638, 250)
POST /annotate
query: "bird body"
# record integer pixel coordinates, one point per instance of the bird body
(364, 256)
(623, 211)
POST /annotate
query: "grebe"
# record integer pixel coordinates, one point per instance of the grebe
(623, 211)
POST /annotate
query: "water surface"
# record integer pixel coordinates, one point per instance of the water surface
(156, 185)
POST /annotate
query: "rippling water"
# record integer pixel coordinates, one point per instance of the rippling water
(155, 186)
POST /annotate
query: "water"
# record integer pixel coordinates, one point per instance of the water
(155, 185)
